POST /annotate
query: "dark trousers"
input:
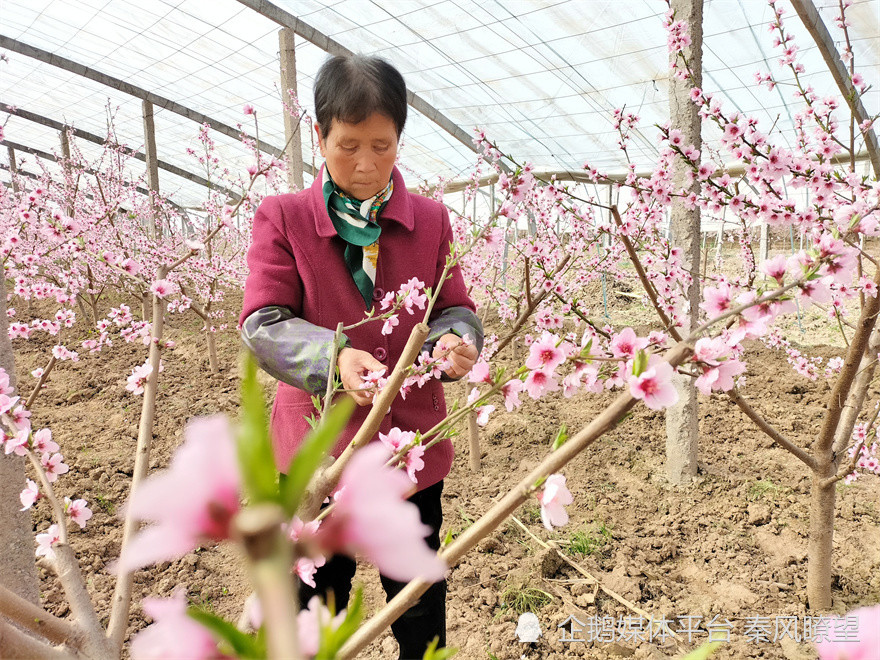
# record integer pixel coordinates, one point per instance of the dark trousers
(422, 622)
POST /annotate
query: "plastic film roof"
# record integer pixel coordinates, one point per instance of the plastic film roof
(540, 77)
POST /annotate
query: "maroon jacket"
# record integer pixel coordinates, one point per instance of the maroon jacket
(296, 261)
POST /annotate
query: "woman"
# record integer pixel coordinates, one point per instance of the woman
(329, 254)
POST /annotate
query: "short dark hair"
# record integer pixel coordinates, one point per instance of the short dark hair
(350, 88)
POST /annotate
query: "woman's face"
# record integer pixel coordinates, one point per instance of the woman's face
(360, 157)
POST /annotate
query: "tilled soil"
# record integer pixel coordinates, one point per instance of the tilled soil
(732, 543)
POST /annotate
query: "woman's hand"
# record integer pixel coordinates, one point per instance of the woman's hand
(461, 356)
(353, 366)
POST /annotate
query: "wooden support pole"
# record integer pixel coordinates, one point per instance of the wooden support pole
(292, 125)
(65, 154)
(13, 167)
(764, 246)
(474, 442)
(152, 160)
(682, 421)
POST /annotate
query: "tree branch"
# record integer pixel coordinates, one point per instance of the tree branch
(38, 620)
(777, 437)
(16, 644)
(643, 277)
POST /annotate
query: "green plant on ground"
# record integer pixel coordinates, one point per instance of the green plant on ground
(106, 504)
(455, 530)
(763, 489)
(530, 514)
(591, 541)
(522, 597)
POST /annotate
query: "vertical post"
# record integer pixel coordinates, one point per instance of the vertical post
(475, 453)
(682, 421)
(764, 249)
(17, 570)
(13, 169)
(65, 153)
(152, 169)
(292, 133)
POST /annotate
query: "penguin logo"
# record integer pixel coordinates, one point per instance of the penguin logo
(528, 628)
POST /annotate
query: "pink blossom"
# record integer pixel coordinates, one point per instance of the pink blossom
(305, 569)
(248, 109)
(654, 386)
(192, 501)
(78, 511)
(866, 620)
(46, 540)
(387, 301)
(719, 378)
(775, 267)
(390, 323)
(42, 442)
(396, 440)
(372, 517)
(717, 300)
(163, 288)
(53, 466)
(411, 296)
(18, 443)
(544, 354)
(510, 391)
(374, 379)
(174, 634)
(7, 403)
(554, 499)
(479, 373)
(5, 387)
(483, 414)
(626, 344)
(29, 495)
(137, 381)
(540, 382)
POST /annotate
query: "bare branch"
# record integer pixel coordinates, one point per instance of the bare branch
(16, 644)
(38, 620)
(765, 426)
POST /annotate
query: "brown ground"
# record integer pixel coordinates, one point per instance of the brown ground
(733, 543)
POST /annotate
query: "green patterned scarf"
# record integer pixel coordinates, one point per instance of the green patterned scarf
(356, 223)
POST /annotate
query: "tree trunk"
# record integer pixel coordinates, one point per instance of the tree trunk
(17, 570)
(212, 352)
(820, 548)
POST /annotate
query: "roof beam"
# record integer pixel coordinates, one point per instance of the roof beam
(286, 19)
(806, 10)
(39, 153)
(581, 176)
(132, 90)
(91, 137)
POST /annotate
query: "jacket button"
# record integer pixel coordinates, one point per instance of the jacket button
(378, 294)
(380, 353)
(436, 402)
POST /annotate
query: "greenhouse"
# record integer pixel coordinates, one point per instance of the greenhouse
(360, 328)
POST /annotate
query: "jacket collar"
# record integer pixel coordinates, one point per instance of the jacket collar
(398, 208)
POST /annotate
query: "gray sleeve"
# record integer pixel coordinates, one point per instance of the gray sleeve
(292, 350)
(458, 321)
